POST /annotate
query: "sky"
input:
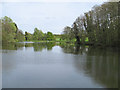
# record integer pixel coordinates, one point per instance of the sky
(46, 15)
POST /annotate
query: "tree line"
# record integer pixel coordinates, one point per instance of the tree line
(100, 25)
(39, 36)
(11, 33)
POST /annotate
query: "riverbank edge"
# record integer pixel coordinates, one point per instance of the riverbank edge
(71, 42)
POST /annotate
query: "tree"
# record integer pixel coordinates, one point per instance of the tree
(10, 32)
(76, 31)
(38, 34)
(100, 25)
(20, 36)
(67, 33)
(28, 36)
(50, 36)
(81, 33)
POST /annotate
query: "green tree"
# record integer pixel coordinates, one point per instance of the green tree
(67, 33)
(79, 30)
(9, 29)
(50, 36)
(38, 34)
(100, 26)
(76, 32)
(20, 36)
(28, 36)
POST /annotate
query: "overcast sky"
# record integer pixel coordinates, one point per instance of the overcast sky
(47, 16)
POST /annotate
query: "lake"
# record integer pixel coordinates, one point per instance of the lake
(58, 65)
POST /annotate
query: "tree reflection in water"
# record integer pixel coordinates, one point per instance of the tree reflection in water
(12, 46)
(102, 64)
(41, 46)
(36, 46)
(99, 63)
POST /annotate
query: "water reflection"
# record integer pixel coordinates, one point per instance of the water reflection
(36, 46)
(101, 64)
(12, 46)
(74, 48)
(104, 66)
(41, 46)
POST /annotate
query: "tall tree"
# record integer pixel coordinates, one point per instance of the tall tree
(76, 32)
(67, 33)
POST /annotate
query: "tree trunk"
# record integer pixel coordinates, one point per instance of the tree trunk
(78, 39)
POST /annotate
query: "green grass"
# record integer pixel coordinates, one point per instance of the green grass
(86, 40)
(58, 40)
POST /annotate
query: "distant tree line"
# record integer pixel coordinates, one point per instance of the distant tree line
(100, 25)
(11, 33)
(38, 35)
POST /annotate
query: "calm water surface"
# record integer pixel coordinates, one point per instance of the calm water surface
(57, 65)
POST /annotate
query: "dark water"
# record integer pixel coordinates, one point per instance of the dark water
(58, 65)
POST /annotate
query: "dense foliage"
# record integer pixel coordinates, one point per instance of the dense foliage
(38, 35)
(100, 25)
(10, 31)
